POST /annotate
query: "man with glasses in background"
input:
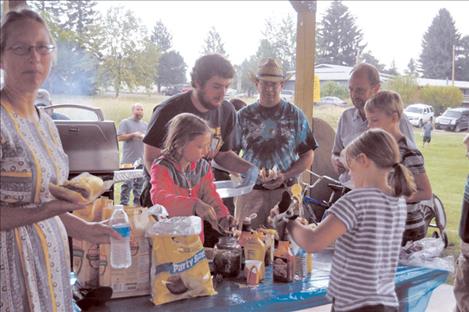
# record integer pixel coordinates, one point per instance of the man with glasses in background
(274, 135)
(363, 84)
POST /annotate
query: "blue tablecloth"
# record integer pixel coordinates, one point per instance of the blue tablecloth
(414, 286)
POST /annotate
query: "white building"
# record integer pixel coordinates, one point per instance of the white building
(340, 75)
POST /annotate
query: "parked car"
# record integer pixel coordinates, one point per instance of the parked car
(331, 100)
(454, 119)
(177, 88)
(230, 93)
(288, 95)
(418, 114)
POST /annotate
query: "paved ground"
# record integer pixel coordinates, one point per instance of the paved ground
(441, 297)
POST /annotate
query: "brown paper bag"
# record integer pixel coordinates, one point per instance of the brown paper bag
(85, 254)
(135, 280)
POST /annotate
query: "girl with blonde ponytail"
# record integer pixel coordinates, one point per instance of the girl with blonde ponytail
(366, 224)
(384, 110)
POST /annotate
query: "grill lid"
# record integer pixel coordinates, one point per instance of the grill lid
(90, 145)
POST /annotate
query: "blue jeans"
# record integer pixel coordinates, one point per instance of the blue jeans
(136, 186)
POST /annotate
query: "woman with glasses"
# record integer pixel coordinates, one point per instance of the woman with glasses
(34, 252)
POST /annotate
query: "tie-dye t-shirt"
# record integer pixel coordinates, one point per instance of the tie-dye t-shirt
(273, 136)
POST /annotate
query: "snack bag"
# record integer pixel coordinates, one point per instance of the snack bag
(179, 267)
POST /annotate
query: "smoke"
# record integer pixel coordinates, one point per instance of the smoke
(74, 72)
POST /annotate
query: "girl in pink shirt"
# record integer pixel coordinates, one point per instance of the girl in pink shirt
(181, 179)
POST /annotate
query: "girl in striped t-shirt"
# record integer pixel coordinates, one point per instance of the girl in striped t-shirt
(366, 224)
(384, 110)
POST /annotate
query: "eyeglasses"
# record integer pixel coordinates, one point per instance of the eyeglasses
(269, 84)
(22, 50)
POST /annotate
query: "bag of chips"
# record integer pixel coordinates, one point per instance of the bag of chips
(179, 268)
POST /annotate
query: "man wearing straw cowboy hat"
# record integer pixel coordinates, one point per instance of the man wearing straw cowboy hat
(275, 136)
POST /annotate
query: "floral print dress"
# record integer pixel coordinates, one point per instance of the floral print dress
(34, 258)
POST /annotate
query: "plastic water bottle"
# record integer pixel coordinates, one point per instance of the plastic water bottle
(120, 248)
(300, 264)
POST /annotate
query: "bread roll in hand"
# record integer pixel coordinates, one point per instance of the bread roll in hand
(82, 189)
(267, 175)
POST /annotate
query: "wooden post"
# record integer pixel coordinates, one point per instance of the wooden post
(12, 4)
(305, 55)
(5, 7)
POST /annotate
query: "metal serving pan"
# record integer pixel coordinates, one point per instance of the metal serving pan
(231, 189)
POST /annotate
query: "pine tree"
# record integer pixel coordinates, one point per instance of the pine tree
(392, 70)
(246, 69)
(53, 12)
(162, 37)
(339, 39)
(83, 23)
(412, 68)
(265, 50)
(214, 43)
(462, 59)
(437, 46)
(81, 14)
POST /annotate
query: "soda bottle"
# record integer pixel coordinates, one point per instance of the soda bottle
(284, 263)
(120, 248)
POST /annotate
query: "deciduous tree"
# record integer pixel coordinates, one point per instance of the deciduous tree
(406, 86)
(280, 39)
(332, 88)
(123, 42)
(441, 97)
(145, 64)
(172, 69)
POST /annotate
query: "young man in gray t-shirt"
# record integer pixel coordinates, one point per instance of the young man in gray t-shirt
(131, 132)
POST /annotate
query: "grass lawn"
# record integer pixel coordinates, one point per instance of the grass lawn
(447, 169)
(115, 108)
(445, 160)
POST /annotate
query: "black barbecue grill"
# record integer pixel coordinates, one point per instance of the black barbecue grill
(89, 141)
